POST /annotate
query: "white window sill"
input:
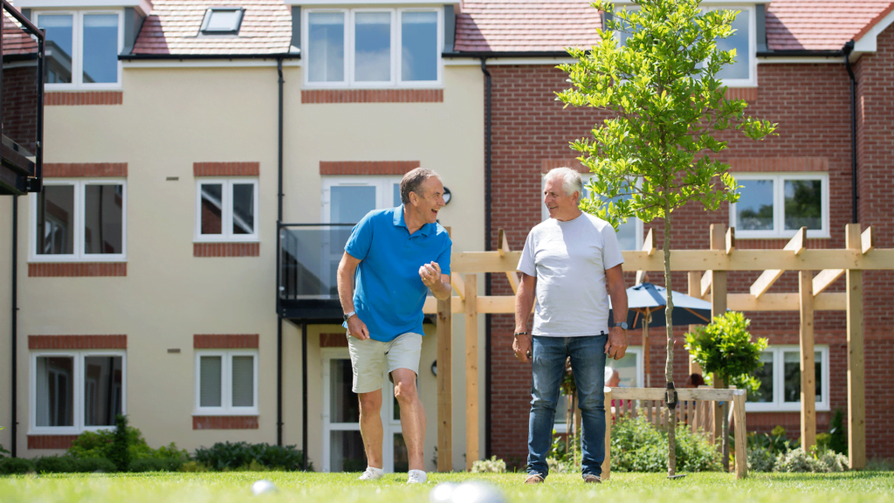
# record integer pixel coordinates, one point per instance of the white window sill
(226, 413)
(752, 407)
(218, 239)
(58, 259)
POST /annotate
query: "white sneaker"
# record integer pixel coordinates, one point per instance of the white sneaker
(372, 473)
(417, 477)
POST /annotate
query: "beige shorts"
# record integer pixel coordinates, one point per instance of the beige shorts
(368, 359)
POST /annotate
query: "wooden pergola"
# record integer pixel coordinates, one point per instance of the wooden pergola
(818, 269)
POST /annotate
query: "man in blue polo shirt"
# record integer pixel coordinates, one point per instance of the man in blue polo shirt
(392, 259)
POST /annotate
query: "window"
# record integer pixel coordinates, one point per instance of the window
(630, 369)
(222, 21)
(630, 233)
(776, 206)
(780, 379)
(227, 210)
(82, 49)
(347, 199)
(227, 382)
(79, 220)
(73, 391)
(342, 444)
(742, 73)
(372, 47)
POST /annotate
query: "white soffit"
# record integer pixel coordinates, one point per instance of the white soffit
(143, 6)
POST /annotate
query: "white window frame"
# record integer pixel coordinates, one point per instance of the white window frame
(226, 234)
(77, 44)
(779, 205)
(390, 425)
(752, 38)
(585, 178)
(226, 386)
(396, 44)
(78, 223)
(640, 380)
(382, 183)
(78, 399)
(779, 404)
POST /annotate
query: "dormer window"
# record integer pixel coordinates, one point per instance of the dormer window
(372, 47)
(82, 48)
(222, 21)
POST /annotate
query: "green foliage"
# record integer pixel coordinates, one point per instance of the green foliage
(194, 466)
(838, 433)
(561, 458)
(119, 452)
(101, 445)
(725, 347)
(760, 460)
(156, 465)
(14, 466)
(225, 456)
(637, 446)
(653, 154)
(492, 465)
(775, 442)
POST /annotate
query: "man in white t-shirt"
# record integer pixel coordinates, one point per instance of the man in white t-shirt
(571, 264)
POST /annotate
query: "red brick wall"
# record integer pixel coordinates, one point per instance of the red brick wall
(84, 98)
(84, 169)
(367, 167)
(226, 168)
(315, 96)
(226, 249)
(76, 269)
(811, 104)
(224, 341)
(225, 422)
(77, 342)
(19, 105)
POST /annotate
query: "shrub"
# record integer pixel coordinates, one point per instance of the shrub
(225, 456)
(119, 452)
(193, 466)
(838, 433)
(797, 461)
(54, 464)
(833, 461)
(637, 446)
(560, 459)
(760, 460)
(156, 465)
(13, 466)
(492, 465)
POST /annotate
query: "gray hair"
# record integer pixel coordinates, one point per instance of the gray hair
(413, 180)
(571, 180)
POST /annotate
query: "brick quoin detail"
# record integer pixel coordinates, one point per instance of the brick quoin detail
(778, 164)
(84, 169)
(226, 168)
(333, 341)
(225, 422)
(77, 342)
(226, 249)
(367, 167)
(225, 341)
(309, 97)
(84, 98)
(76, 269)
(50, 441)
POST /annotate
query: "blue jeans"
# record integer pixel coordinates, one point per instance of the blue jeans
(588, 365)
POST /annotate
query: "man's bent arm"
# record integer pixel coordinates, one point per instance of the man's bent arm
(345, 281)
(524, 301)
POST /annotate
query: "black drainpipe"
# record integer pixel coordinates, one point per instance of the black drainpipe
(13, 428)
(304, 392)
(488, 203)
(279, 196)
(848, 49)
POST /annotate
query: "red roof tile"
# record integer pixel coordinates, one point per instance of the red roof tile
(173, 27)
(16, 40)
(526, 25)
(820, 24)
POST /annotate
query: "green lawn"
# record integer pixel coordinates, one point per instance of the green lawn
(343, 488)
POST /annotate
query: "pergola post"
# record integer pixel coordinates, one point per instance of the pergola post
(694, 291)
(856, 412)
(808, 369)
(718, 307)
(471, 311)
(445, 390)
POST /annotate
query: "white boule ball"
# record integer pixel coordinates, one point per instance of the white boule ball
(442, 493)
(263, 487)
(477, 492)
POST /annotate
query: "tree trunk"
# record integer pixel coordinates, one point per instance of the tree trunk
(669, 364)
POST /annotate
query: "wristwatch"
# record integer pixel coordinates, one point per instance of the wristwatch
(623, 325)
(347, 316)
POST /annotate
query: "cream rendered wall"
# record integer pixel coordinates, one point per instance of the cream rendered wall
(170, 118)
(6, 203)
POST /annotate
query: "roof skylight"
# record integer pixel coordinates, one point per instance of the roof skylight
(222, 21)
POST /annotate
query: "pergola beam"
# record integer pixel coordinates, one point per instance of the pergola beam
(649, 248)
(768, 277)
(824, 279)
(513, 277)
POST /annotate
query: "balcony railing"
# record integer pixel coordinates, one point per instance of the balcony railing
(309, 256)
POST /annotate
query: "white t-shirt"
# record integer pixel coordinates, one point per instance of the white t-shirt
(569, 260)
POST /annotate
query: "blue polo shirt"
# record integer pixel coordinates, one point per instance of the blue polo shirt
(388, 292)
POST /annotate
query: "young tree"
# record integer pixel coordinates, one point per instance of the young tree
(654, 153)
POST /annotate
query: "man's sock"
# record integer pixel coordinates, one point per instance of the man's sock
(377, 471)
